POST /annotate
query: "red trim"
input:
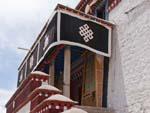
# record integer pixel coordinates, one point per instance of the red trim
(82, 14)
(51, 58)
(53, 104)
(33, 95)
(36, 99)
(113, 4)
(82, 4)
(24, 84)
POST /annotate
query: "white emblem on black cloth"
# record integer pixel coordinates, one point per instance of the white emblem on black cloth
(31, 61)
(21, 76)
(46, 41)
(86, 33)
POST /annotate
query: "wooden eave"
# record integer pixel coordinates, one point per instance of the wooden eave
(23, 84)
(82, 4)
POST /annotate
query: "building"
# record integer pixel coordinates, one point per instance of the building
(97, 55)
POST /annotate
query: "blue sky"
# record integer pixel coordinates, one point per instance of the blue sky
(20, 24)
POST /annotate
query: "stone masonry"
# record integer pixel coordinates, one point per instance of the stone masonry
(129, 73)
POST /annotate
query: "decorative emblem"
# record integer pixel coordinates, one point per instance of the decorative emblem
(21, 76)
(31, 61)
(86, 33)
(46, 41)
(14, 103)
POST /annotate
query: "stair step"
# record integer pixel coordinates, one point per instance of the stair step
(90, 109)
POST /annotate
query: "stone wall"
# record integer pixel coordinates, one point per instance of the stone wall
(129, 74)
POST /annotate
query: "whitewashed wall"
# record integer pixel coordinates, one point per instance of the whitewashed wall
(129, 75)
(25, 108)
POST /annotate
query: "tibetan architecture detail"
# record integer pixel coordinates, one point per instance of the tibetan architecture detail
(35, 95)
(66, 69)
(69, 27)
(70, 67)
(89, 6)
(33, 91)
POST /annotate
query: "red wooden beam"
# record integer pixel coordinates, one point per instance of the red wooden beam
(82, 4)
(51, 57)
(113, 4)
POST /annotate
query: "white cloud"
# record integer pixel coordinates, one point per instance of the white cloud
(22, 20)
(4, 97)
(20, 23)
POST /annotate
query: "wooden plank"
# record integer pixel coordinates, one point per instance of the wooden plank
(99, 67)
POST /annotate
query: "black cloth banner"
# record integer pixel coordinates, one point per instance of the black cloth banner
(49, 37)
(84, 32)
(32, 60)
(22, 74)
(67, 28)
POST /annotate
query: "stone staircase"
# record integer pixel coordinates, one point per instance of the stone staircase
(90, 109)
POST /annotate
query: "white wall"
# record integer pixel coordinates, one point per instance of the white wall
(129, 74)
(25, 108)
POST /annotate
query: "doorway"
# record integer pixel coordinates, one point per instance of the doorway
(86, 81)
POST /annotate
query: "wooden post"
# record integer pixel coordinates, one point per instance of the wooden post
(51, 73)
(67, 67)
(99, 67)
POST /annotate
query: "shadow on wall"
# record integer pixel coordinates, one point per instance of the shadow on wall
(116, 85)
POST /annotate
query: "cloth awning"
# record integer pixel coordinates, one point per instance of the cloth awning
(69, 27)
